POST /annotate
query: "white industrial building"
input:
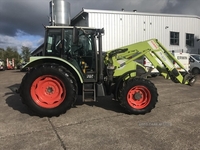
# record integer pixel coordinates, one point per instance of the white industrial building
(180, 33)
(175, 32)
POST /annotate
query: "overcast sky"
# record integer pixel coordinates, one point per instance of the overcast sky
(21, 21)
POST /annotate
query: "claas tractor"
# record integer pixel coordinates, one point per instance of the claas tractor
(74, 64)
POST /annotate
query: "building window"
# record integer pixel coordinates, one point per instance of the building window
(189, 39)
(174, 38)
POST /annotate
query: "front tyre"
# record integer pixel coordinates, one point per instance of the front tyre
(138, 96)
(49, 90)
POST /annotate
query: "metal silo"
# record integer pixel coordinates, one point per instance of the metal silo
(59, 12)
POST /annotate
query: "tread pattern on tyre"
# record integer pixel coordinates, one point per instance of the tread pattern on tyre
(134, 82)
(32, 74)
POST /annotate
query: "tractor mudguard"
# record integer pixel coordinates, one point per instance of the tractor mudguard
(35, 61)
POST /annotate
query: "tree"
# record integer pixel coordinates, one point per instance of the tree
(2, 53)
(26, 53)
(11, 53)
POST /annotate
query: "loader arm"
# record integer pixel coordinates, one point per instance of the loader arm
(157, 54)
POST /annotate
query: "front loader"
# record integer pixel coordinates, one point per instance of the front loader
(73, 64)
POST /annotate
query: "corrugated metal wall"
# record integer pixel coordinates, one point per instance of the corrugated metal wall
(83, 22)
(124, 29)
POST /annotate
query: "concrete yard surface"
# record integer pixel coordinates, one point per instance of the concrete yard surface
(172, 125)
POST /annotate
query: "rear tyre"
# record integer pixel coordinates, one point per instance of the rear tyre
(138, 96)
(49, 90)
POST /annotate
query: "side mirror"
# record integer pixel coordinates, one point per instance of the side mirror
(75, 35)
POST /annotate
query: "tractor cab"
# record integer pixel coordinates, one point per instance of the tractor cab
(76, 45)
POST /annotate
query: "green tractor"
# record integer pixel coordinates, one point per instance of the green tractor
(73, 64)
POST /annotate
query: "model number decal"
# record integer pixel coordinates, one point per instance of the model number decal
(90, 76)
(163, 57)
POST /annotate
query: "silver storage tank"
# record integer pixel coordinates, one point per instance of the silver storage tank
(60, 12)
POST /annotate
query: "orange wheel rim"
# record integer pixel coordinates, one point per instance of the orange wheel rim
(48, 91)
(138, 97)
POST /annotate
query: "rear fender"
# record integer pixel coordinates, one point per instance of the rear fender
(71, 65)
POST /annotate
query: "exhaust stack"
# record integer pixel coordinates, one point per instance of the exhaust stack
(59, 13)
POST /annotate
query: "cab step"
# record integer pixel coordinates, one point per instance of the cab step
(89, 92)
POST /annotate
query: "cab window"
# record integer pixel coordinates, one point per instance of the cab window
(54, 43)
